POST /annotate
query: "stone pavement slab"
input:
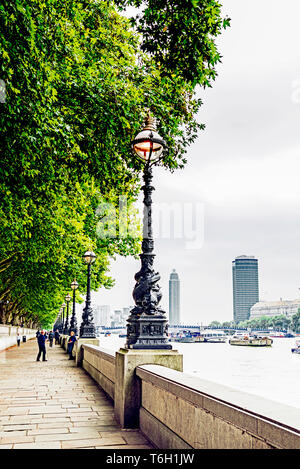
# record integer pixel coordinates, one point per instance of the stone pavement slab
(56, 405)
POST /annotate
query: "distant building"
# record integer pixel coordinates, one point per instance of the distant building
(245, 286)
(174, 298)
(125, 314)
(274, 308)
(102, 315)
(117, 318)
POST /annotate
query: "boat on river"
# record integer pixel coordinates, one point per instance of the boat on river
(212, 336)
(199, 338)
(208, 335)
(250, 340)
(296, 349)
(184, 338)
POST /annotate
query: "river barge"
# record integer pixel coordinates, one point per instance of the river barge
(250, 340)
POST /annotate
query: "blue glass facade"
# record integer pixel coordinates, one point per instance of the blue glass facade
(245, 286)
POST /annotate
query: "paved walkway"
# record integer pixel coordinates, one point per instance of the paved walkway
(55, 404)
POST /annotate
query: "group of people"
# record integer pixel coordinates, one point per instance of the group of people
(42, 336)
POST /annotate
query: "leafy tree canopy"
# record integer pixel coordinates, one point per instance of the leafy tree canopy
(78, 80)
(180, 36)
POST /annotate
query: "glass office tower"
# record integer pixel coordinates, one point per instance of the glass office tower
(245, 286)
(174, 298)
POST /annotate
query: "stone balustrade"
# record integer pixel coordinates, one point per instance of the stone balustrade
(177, 410)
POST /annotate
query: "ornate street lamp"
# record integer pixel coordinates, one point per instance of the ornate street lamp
(147, 323)
(63, 317)
(66, 328)
(73, 322)
(87, 327)
(60, 324)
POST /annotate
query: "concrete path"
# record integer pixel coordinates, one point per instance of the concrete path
(55, 404)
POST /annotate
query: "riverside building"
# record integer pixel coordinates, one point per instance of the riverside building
(245, 286)
(174, 298)
(274, 308)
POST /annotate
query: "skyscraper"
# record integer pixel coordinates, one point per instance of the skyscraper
(245, 286)
(174, 298)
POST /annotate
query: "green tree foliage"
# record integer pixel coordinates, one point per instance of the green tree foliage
(180, 35)
(296, 322)
(215, 324)
(281, 322)
(78, 81)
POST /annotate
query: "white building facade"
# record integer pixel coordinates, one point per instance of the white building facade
(274, 308)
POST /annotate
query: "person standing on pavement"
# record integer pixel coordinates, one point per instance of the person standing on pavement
(18, 339)
(71, 342)
(42, 346)
(56, 335)
(51, 337)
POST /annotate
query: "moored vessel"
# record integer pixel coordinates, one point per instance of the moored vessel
(250, 340)
(184, 338)
(212, 336)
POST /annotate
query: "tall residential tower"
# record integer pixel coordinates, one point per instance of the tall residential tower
(174, 298)
(245, 286)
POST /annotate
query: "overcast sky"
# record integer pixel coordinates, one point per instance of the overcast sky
(241, 183)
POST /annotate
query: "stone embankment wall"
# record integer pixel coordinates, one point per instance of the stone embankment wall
(8, 335)
(100, 364)
(178, 410)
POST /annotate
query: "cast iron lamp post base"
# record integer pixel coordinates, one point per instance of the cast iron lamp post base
(147, 326)
(87, 328)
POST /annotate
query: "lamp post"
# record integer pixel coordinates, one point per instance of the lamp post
(55, 325)
(59, 327)
(73, 322)
(63, 317)
(87, 327)
(66, 328)
(147, 323)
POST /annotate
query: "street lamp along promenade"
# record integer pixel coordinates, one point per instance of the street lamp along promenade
(147, 326)
(87, 327)
(66, 328)
(63, 318)
(73, 322)
(59, 321)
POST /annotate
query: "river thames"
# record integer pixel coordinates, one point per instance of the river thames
(271, 372)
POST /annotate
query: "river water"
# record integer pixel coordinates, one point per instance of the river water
(271, 372)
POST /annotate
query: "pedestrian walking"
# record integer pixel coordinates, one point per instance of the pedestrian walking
(71, 342)
(18, 339)
(42, 346)
(56, 335)
(51, 337)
